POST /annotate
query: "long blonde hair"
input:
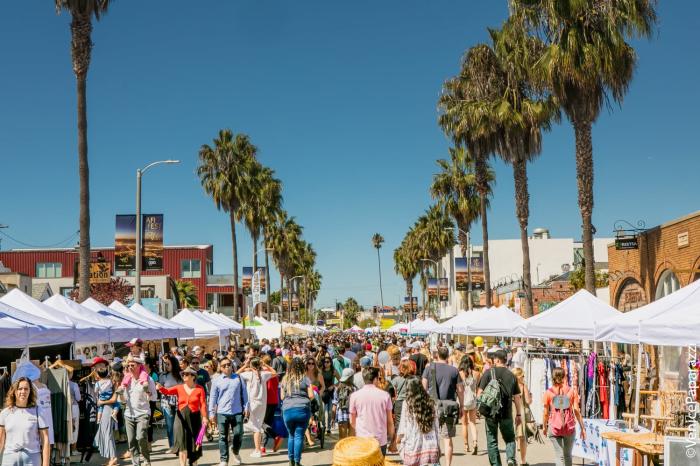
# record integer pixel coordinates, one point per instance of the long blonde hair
(295, 373)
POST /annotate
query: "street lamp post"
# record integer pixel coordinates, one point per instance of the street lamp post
(437, 277)
(139, 174)
(470, 304)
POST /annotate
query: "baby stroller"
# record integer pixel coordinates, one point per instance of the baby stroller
(317, 424)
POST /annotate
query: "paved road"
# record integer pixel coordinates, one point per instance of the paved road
(538, 455)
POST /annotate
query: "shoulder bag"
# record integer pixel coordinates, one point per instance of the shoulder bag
(448, 410)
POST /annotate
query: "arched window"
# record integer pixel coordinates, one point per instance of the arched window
(668, 283)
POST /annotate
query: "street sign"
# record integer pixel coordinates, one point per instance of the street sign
(624, 243)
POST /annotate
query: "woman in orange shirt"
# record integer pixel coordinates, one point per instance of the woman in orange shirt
(190, 417)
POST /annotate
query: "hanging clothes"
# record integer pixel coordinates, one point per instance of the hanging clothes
(603, 394)
(88, 416)
(56, 380)
(5, 384)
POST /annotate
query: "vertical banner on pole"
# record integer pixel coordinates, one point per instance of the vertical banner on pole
(461, 274)
(432, 288)
(152, 242)
(477, 262)
(444, 289)
(125, 243)
(246, 280)
(263, 279)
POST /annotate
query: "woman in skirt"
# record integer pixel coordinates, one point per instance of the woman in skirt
(191, 415)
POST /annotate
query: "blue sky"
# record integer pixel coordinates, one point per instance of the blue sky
(340, 98)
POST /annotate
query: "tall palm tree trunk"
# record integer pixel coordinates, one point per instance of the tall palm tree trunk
(466, 295)
(267, 283)
(522, 211)
(281, 316)
(584, 179)
(81, 47)
(234, 243)
(289, 298)
(381, 292)
(409, 291)
(482, 187)
(423, 285)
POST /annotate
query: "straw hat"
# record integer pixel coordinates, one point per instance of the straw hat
(359, 451)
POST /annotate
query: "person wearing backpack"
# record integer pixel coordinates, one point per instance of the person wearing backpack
(498, 391)
(341, 403)
(561, 412)
(442, 381)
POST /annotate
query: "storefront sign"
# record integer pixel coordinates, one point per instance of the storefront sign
(100, 272)
(624, 243)
(683, 239)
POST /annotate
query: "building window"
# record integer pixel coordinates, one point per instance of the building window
(668, 283)
(66, 291)
(125, 273)
(191, 268)
(210, 268)
(48, 270)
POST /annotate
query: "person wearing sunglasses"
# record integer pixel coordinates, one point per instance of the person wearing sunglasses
(191, 416)
(24, 434)
(137, 410)
(227, 402)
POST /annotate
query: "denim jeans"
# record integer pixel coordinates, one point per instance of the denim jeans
(508, 434)
(169, 417)
(562, 449)
(235, 423)
(21, 458)
(296, 420)
(328, 407)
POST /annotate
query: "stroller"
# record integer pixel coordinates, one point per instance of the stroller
(317, 425)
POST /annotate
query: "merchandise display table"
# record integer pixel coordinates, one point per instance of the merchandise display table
(647, 445)
(601, 449)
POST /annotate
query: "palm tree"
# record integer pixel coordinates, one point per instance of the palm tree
(406, 265)
(377, 241)
(224, 171)
(463, 123)
(187, 294)
(586, 62)
(82, 12)
(284, 241)
(455, 189)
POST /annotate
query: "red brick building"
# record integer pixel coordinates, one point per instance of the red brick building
(666, 258)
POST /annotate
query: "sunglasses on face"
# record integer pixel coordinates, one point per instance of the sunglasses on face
(131, 366)
(194, 363)
(185, 374)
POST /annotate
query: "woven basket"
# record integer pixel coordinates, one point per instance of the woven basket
(358, 451)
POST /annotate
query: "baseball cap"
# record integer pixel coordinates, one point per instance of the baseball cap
(365, 362)
(135, 342)
(368, 346)
(99, 360)
(347, 373)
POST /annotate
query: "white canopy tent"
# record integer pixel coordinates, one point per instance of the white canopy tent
(572, 319)
(19, 329)
(401, 327)
(458, 323)
(679, 326)
(164, 332)
(624, 328)
(83, 330)
(423, 325)
(203, 327)
(183, 331)
(225, 320)
(500, 321)
(118, 330)
(142, 331)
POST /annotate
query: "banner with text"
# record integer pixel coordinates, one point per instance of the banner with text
(461, 274)
(477, 269)
(125, 243)
(247, 280)
(444, 289)
(407, 303)
(263, 280)
(432, 288)
(152, 242)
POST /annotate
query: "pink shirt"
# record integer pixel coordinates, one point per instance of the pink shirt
(371, 405)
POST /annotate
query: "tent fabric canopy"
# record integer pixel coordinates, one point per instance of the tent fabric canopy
(183, 331)
(203, 327)
(142, 331)
(460, 321)
(117, 329)
(500, 321)
(164, 332)
(83, 330)
(680, 326)
(572, 319)
(625, 327)
(225, 320)
(19, 329)
(423, 325)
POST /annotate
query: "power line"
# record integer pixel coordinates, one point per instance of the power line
(22, 243)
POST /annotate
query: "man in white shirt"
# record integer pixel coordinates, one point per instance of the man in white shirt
(137, 412)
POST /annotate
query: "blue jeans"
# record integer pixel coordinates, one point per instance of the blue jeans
(296, 420)
(328, 407)
(169, 417)
(234, 422)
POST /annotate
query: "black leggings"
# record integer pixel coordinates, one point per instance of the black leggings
(267, 423)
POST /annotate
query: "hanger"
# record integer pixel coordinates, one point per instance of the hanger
(92, 373)
(46, 362)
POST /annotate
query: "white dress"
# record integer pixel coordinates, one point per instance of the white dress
(43, 395)
(256, 384)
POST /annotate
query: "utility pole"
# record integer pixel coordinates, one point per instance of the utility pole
(1, 227)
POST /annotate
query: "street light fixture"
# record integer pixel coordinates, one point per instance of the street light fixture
(139, 174)
(469, 266)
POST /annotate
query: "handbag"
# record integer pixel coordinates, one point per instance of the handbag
(448, 410)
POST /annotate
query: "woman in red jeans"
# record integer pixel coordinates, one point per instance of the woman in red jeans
(190, 417)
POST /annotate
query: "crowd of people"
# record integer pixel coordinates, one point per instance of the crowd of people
(407, 396)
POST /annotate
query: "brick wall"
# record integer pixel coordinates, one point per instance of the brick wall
(635, 274)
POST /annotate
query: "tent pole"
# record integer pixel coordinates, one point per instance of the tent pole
(638, 385)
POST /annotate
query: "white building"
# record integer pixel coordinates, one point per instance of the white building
(548, 257)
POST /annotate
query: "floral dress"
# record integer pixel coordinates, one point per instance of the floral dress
(417, 448)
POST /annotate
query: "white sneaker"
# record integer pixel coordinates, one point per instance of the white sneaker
(236, 459)
(256, 454)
